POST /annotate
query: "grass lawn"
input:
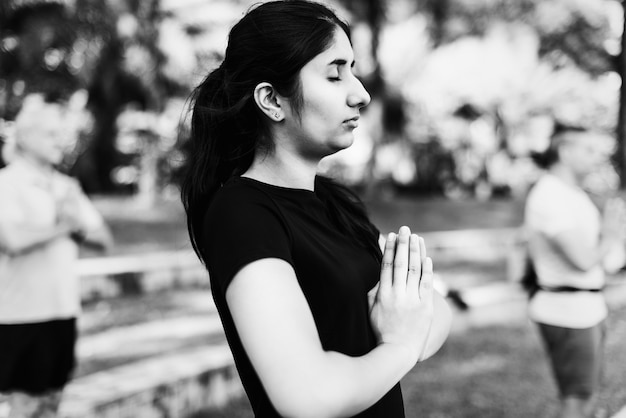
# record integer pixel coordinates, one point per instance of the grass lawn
(492, 372)
(163, 227)
(427, 214)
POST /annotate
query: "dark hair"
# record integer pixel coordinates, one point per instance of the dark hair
(271, 43)
(550, 156)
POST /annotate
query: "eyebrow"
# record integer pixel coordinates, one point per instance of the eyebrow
(341, 61)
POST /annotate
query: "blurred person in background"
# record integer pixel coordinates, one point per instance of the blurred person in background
(44, 216)
(320, 321)
(568, 242)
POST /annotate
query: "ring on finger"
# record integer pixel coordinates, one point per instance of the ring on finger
(387, 265)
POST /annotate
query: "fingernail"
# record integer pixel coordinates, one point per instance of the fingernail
(405, 230)
(391, 236)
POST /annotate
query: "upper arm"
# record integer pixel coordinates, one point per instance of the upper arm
(276, 328)
(10, 218)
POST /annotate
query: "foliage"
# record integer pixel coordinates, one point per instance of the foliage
(516, 63)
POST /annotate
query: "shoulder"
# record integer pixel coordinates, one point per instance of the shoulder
(241, 207)
(10, 179)
(66, 181)
(549, 193)
(8, 172)
(241, 198)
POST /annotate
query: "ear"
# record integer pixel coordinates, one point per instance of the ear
(268, 101)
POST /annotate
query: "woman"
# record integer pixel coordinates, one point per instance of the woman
(568, 241)
(319, 322)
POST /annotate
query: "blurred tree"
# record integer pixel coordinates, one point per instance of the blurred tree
(573, 38)
(35, 50)
(134, 56)
(127, 72)
(388, 106)
(111, 48)
(620, 154)
(567, 30)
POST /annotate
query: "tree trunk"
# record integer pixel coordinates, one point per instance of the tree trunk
(620, 156)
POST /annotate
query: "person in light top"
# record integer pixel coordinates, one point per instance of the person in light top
(44, 216)
(568, 242)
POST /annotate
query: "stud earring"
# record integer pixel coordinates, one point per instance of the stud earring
(276, 115)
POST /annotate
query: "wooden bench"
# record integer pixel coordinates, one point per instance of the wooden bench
(112, 276)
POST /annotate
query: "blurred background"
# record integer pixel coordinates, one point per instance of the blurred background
(463, 91)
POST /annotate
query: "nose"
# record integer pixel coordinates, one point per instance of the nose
(358, 97)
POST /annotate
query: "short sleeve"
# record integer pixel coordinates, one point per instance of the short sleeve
(240, 227)
(551, 211)
(9, 209)
(552, 219)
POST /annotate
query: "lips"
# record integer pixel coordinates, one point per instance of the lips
(352, 122)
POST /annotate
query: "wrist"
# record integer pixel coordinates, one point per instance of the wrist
(402, 351)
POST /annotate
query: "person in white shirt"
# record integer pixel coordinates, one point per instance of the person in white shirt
(44, 216)
(568, 240)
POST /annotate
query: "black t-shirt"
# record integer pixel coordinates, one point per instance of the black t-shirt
(249, 220)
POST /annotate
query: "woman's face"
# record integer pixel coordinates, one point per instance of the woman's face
(582, 153)
(331, 99)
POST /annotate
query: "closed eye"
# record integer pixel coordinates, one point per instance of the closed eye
(339, 65)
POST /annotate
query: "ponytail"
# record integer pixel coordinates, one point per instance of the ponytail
(222, 144)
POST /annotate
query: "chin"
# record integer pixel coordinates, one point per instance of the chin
(55, 161)
(343, 143)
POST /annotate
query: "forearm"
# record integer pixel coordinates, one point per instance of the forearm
(16, 240)
(594, 256)
(338, 385)
(364, 380)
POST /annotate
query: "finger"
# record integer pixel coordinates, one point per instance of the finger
(386, 267)
(415, 264)
(422, 249)
(426, 282)
(401, 259)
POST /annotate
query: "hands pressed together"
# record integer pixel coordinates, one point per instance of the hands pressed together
(614, 220)
(68, 208)
(402, 304)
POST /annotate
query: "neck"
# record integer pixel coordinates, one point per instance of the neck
(283, 169)
(36, 163)
(566, 175)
